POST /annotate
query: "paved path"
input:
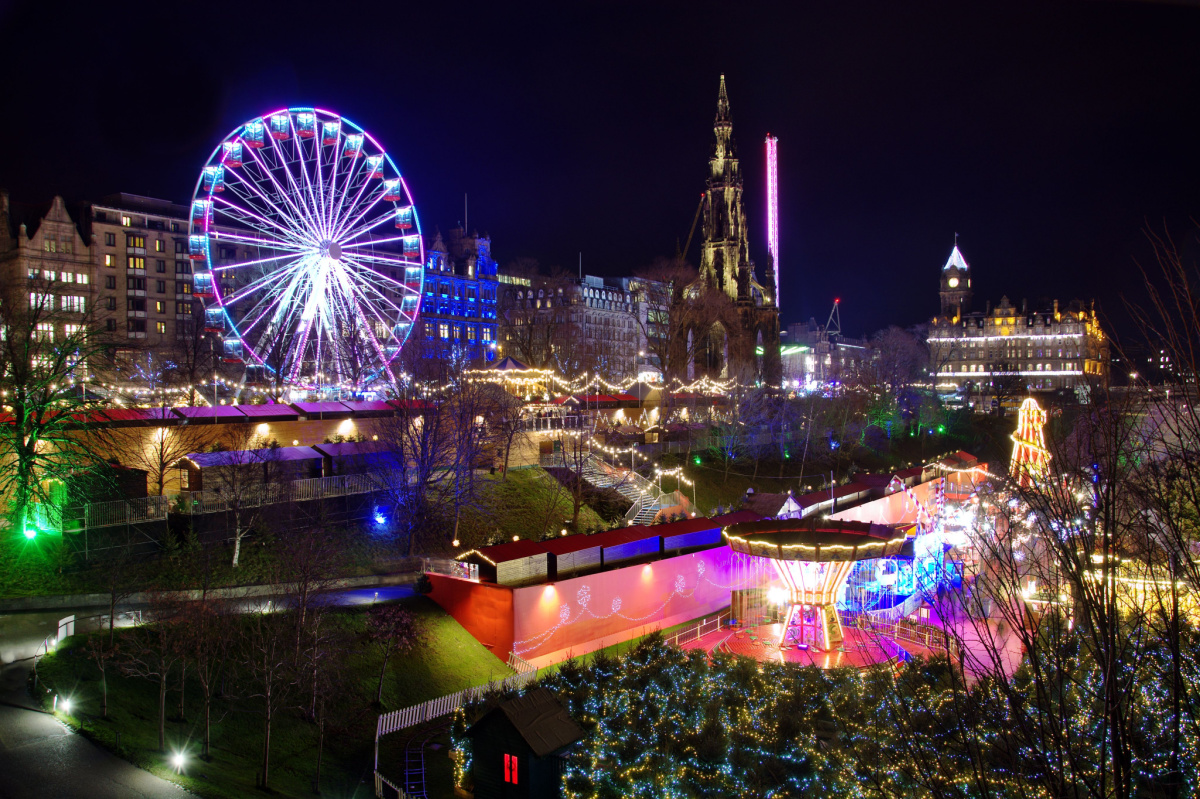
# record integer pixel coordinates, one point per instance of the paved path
(40, 757)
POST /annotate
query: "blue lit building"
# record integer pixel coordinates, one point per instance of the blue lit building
(458, 311)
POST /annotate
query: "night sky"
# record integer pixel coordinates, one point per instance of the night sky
(1047, 135)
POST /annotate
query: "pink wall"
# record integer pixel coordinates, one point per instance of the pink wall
(897, 508)
(572, 617)
(484, 609)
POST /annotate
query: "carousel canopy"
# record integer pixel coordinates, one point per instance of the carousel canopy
(806, 539)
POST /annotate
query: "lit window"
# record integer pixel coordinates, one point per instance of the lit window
(161, 327)
(135, 241)
(159, 246)
(73, 304)
(136, 262)
(110, 259)
(160, 307)
(81, 278)
(444, 330)
(45, 331)
(126, 221)
(510, 769)
(72, 330)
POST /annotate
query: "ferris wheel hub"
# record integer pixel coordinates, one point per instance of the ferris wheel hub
(332, 250)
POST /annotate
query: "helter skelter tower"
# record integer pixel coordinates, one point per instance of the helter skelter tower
(813, 561)
(773, 207)
(1030, 459)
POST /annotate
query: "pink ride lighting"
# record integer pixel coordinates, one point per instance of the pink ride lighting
(773, 207)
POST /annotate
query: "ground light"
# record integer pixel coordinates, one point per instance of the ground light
(65, 705)
(177, 760)
(30, 532)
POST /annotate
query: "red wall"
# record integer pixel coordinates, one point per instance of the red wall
(485, 610)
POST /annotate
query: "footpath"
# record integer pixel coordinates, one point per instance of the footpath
(143, 598)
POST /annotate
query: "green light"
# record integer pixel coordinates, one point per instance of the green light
(696, 460)
(30, 532)
(941, 428)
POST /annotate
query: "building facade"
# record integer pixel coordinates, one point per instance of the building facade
(575, 325)
(820, 354)
(1006, 349)
(458, 309)
(731, 346)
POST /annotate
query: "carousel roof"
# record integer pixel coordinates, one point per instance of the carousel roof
(806, 539)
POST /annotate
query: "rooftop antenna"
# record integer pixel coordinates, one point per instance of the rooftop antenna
(465, 227)
(833, 325)
(581, 266)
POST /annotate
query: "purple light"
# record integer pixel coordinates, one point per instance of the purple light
(773, 207)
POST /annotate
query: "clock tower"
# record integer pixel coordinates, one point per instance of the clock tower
(956, 285)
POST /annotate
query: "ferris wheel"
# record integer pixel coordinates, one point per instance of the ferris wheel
(307, 251)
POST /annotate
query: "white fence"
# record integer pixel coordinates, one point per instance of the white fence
(445, 705)
(699, 629)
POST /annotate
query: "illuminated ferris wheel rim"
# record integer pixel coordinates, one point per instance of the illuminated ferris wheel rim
(313, 207)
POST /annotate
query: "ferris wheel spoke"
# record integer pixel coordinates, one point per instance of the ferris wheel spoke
(262, 241)
(264, 283)
(257, 193)
(364, 229)
(379, 259)
(340, 213)
(257, 262)
(308, 214)
(298, 214)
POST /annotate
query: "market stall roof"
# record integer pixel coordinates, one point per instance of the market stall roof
(205, 460)
(210, 412)
(270, 412)
(369, 407)
(320, 408)
(127, 417)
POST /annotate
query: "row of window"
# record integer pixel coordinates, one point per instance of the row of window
(46, 302)
(54, 245)
(1029, 367)
(52, 275)
(451, 330)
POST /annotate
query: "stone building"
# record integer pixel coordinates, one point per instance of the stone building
(730, 346)
(45, 248)
(458, 310)
(1007, 349)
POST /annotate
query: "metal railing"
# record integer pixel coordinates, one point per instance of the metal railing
(700, 629)
(451, 568)
(153, 509)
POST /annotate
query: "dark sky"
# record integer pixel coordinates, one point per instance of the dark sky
(1047, 134)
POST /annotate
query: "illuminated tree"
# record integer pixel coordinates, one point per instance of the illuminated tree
(46, 349)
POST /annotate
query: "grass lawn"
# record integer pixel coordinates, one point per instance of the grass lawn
(449, 661)
(529, 504)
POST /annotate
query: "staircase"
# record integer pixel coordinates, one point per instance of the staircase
(644, 495)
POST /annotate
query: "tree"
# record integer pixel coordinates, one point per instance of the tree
(152, 650)
(248, 480)
(46, 348)
(900, 359)
(268, 670)
(507, 421)
(102, 656)
(670, 311)
(192, 359)
(309, 564)
(206, 628)
(536, 322)
(391, 629)
(158, 452)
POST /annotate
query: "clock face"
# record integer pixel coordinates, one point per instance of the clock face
(952, 282)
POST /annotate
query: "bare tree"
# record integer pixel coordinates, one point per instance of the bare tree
(152, 652)
(391, 629)
(309, 565)
(157, 449)
(537, 325)
(248, 479)
(206, 628)
(900, 359)
(670, 310)
(268, 669)
(192, 359)
(102, 656)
